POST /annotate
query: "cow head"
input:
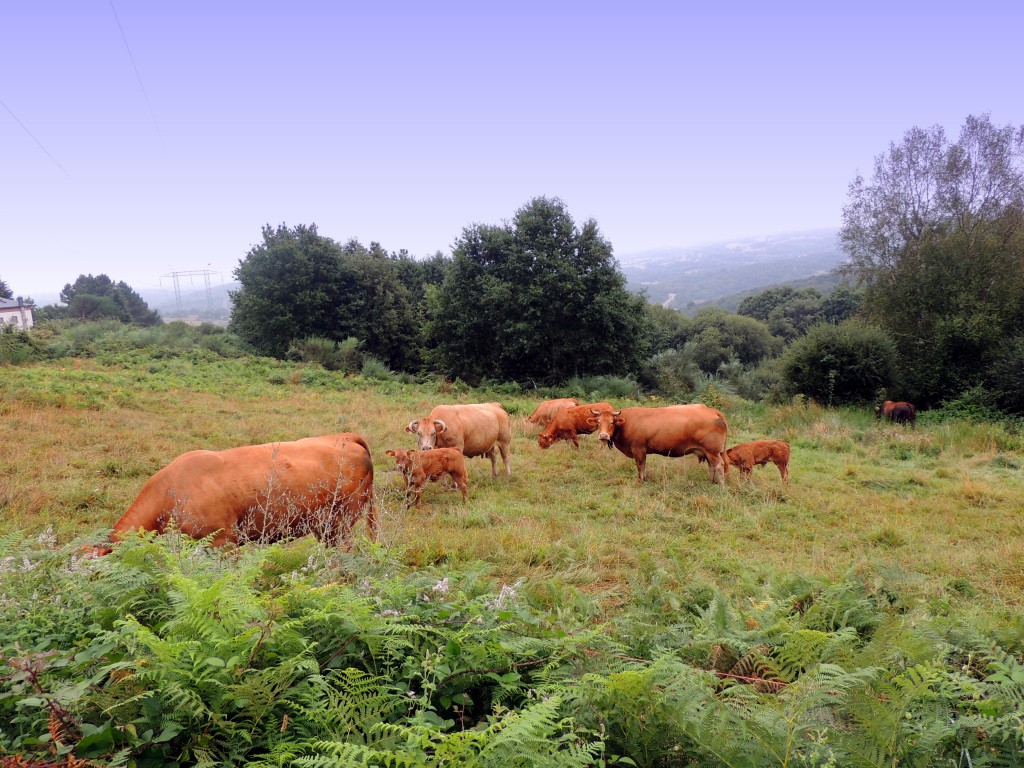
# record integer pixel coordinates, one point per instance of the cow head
(545, 439)
(426, 431)
(605, 422)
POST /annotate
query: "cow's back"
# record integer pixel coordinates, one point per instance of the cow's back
(236, 489)
(473, 428)
(671, 430)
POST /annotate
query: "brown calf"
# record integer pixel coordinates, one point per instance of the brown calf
(569, 423)
(419, 466)
(758, 453)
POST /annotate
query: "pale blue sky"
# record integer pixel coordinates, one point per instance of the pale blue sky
(398, 122)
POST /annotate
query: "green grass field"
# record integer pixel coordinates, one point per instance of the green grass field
(938, 507)
(867, 614)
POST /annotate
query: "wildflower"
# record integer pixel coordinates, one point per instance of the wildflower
(506, 596)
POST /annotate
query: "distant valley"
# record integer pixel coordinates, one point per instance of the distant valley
(722, 274)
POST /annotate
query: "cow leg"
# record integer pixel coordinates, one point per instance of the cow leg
(493, 455)
(641, 465)
(506, 457)
(716, 467)
(784, 471)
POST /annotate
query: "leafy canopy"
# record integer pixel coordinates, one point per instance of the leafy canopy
(537, 299)
(95, 298)
(937, 238)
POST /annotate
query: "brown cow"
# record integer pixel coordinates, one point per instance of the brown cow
(758, 453)
(318, 485)
(481, 429)
(545, 411)
(568, 424)
(900, 412)
(672, 431)
(419, 466)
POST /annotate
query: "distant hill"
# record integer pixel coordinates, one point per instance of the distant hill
(714, 274)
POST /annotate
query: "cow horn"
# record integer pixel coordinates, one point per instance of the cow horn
(443, 426)
(616, 413)
(412, 426)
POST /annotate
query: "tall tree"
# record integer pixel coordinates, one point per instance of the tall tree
(937, 238)
(298, 283)
(5, 291)
(537, 299)
(90, 298)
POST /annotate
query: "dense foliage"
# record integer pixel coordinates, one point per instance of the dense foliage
(838, 364)
(99, 297)
(298, 283)
(5, 291)
(937, 237)
(166, 653)
(538, 299)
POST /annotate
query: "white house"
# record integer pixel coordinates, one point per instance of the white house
(15, 312)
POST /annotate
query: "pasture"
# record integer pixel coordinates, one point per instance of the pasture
(872, 607)
(937, 508)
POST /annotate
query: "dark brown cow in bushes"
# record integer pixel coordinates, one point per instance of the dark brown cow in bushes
(318, 485)
(900, 412)
(569, 424)
(672, 431)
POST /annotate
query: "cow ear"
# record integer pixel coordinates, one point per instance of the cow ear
(592, 421)
(441, 426)
(619, 421)
(413, 426)
(389, 453)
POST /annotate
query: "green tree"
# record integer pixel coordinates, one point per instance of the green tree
(716, 336)
(91, 298)
(538, 299)
(937, 239)
(298, 283)
(5, 291)
(840, 364)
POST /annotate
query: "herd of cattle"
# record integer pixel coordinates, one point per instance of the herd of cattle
(323, 485)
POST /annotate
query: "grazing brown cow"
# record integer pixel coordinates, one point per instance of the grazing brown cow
(419, 466)
(568, 424)
(481, 429)
(900, 412)
(758, 453)
(545, 411)
(672, 431)
(318, 485)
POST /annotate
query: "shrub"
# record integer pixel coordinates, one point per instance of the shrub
(17, 347)
(840, 364)
(345, 356)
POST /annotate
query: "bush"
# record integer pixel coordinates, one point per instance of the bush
(1007, 376)
(840, 364)
(17, 347)
(671, 373)
(345, 356)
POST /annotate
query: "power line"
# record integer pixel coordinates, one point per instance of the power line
(134, 66)
(37, 141)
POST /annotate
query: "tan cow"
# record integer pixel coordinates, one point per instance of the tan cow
(480, 429)
(417, 467)
(569, 424)
(757, 453)
(672, 431)
(317, 485)
(546, 411)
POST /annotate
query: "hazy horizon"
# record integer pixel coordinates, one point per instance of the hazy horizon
(137, 140)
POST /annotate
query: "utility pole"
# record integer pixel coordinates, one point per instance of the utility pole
(191, 275)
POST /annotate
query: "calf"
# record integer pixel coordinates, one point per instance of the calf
(568, 424)
(545, 411)
(419, 466)
(758, 453)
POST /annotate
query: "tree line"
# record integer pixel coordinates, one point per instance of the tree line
(932, 312)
